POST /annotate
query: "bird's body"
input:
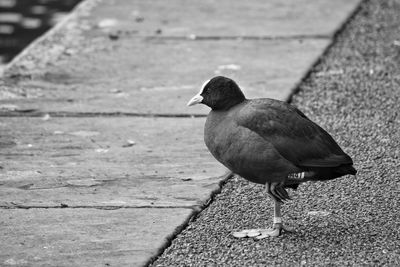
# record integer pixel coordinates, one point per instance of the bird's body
(242, 150)
(269, 142)
(265, 140)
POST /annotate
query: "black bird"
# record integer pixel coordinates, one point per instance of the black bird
(269, 142)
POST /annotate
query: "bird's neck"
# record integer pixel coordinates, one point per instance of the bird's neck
(227, 104)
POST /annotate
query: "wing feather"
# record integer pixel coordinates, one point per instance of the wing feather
(296, 137)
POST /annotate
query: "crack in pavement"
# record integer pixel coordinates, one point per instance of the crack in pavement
(31, 113)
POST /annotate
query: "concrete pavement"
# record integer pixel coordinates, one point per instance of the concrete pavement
(102, 161)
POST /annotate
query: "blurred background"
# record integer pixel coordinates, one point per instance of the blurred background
(22, 21)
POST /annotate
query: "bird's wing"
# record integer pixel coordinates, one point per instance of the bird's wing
(293, 135)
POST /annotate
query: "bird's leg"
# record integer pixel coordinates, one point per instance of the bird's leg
(277, 215)
(278, 194)
(277, 225)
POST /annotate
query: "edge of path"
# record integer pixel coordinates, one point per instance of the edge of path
(65, 30)
(308, 72)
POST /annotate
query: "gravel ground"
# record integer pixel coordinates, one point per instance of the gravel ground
(354, 93)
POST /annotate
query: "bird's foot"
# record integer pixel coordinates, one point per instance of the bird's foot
(273, 232)
(258, 234)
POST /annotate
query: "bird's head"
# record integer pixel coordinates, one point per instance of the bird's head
(219, 93)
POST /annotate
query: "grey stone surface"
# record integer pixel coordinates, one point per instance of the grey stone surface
(85, 237)
(160, 76)
(227, 18)
(89, 162)
(111, 61)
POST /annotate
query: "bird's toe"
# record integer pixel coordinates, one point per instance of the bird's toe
(247, 233)
(258, 234)
(274, 232)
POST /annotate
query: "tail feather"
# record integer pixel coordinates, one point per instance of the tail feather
(346, 169)
(323, 174)
(318, 174)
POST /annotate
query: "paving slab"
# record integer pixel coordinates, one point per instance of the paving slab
(112, 60)
(132, 162)
(162, 75)
(225, 18)
(85, 237)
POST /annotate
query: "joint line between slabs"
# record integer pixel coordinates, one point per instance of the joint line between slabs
(64, 206)
(97, 114)
(245, 38)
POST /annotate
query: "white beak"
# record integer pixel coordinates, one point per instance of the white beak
(195, 100)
